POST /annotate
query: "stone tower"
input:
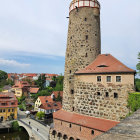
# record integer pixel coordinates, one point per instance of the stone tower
(83, 43)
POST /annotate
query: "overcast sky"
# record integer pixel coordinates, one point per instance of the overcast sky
(33, 33)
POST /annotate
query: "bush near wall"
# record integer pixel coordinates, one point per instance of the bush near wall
(134, 101)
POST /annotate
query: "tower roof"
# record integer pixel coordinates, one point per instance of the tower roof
(106, 63)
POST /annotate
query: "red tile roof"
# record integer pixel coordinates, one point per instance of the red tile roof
(21, 84)
(51, 105)
(82, 120)
(56, 93)
(8, 98)
(34, 90)
(106, 63)
(43, 99)
(51, 75)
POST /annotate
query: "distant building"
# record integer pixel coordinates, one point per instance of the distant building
(57, 93)
(33, 90)
(50, 107)
(47, 82)
(51, 75)
(21, 88)
(7, 88)
(8, 106)
(42, 100)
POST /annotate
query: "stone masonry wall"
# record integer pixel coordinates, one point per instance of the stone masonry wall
(91, 100)
(83, 46)
(75, 131)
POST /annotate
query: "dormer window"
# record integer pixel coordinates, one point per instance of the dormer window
(102, 66)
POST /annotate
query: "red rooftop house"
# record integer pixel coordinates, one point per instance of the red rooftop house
(8, 106)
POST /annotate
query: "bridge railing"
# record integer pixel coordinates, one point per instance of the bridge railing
(25, 124)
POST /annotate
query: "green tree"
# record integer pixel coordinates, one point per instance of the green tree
(59, 98)
(15, 126)
(45, 92)
(138, 65)
(3, 75)
(41, 81)
(137, 83)
(59, 83)
(40, 115)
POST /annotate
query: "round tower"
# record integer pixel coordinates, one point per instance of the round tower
(83, 43)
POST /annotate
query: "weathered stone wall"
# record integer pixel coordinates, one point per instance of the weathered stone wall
(75, 131)
(83, 46)
(89, 102)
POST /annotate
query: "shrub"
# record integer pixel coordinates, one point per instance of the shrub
(15, 126)
(134, 101)
(40, 115)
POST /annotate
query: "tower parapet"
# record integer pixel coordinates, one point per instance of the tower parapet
(84, 3)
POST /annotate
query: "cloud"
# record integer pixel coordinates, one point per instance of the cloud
(13, 63)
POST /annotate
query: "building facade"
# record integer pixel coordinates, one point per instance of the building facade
(8, 106)
(96, 86)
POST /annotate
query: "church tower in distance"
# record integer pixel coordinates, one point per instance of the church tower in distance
(83, 43)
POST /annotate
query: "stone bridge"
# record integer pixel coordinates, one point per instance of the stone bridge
(36, 131)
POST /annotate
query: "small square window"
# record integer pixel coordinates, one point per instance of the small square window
(108, 78)
(115, 95)
(98, 78)
(85, 19)
(118, 78)
(98, 93)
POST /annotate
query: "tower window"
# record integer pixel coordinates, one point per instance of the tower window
(86, 55)
(70, 125)
(80, 128)
(106, 94)
(85, 19)
(118, 78)
(71, 37)
(72, 91)
(72, 108)
(108, 78)
(86, 37)
(61, 123)
(115, 95)
(92, 132)
(98, 93)
(98, 78)
(70, 71)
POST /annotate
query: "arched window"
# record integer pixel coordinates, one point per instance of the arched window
(54, 133)
(71, 138)
(70, 125)
(59, 135)
(65, 137)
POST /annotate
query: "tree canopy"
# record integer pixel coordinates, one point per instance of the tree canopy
(138, 65)
(41, 81)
